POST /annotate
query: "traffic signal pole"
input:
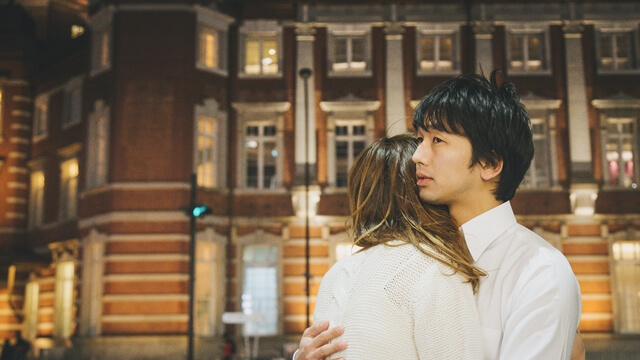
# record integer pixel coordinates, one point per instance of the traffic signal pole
(192, 262)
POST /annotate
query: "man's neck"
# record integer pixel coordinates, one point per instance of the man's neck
(463, 212)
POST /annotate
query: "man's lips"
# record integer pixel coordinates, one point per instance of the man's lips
(423, 180)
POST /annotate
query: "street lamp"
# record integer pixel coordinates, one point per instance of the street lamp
(305, 73)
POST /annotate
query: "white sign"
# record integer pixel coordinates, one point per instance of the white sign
(241, 318)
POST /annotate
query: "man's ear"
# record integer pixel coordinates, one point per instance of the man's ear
(491, 171)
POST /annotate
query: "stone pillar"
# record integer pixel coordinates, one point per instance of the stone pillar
(395, 98)
(305, 106)
(483, 35)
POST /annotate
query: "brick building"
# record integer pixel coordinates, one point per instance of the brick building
(107, 108)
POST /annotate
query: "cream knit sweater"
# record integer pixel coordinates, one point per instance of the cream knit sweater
(397, 303)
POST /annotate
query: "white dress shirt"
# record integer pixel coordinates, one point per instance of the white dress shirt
(529, 303)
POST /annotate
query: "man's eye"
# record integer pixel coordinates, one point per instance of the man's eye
(437, 140)
(420, 140)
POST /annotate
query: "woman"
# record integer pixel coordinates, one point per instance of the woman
(408, 293)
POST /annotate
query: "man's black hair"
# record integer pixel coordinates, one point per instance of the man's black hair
(491, 116)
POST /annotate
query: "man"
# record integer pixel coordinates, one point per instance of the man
(476, 146)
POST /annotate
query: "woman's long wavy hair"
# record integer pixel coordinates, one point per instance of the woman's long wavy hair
(385, 206)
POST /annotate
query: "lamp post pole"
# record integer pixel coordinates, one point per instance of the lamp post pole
(305, 73)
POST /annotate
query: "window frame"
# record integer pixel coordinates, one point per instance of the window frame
(438, 31)
(262, 238)
(526, 30)
(37, 187)
(545, 111)
(623, 324)
(218, 264)
(350, 32)
(260, 30)
(259, 113)
(634, 51)
(97, 161)
(92, 284)
(348, 109)
(72, 103)
(620, 106)
(218, 150)
(102, 41)
(41, 117)
(219, 24)
(68, 200)
(64, 297)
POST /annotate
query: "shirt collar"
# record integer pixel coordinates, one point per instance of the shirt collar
(480, 231)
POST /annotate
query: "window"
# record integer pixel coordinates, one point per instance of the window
(72, 103)
(98, 141)
(36, 198)
(40, 117)
(212, 40)
(349, 131)
(261, 155)
(438, 50)
(350, 140)
(349, 50)
(260, 288)
(64, 299)
(209, 285)
(543, 172)
(211, 145)
(31, 298)
(101, 42)
(68, 189)
(626, 272)
(617, 49)
(527, 50)
(260, 144)
(92, 283)
(209, 48)
(620, 152)
(260, 46)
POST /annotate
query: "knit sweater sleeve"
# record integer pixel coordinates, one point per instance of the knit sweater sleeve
(446, 318)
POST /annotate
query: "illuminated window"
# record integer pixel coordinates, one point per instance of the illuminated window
(620, 145)
(209, 47)
(40, 121)
(72, 103)
(212, 40)
(209, 286)
(211, 145)
(68, 189)
(626, 271)
(617, 49)
(349, 50)
(527, 50)
(31, 298)
(64, 299)
(261, 54)
(98, 146)
(350, 139)
(437, 50)
(260, 288)
(260, 145)
(36, 198)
